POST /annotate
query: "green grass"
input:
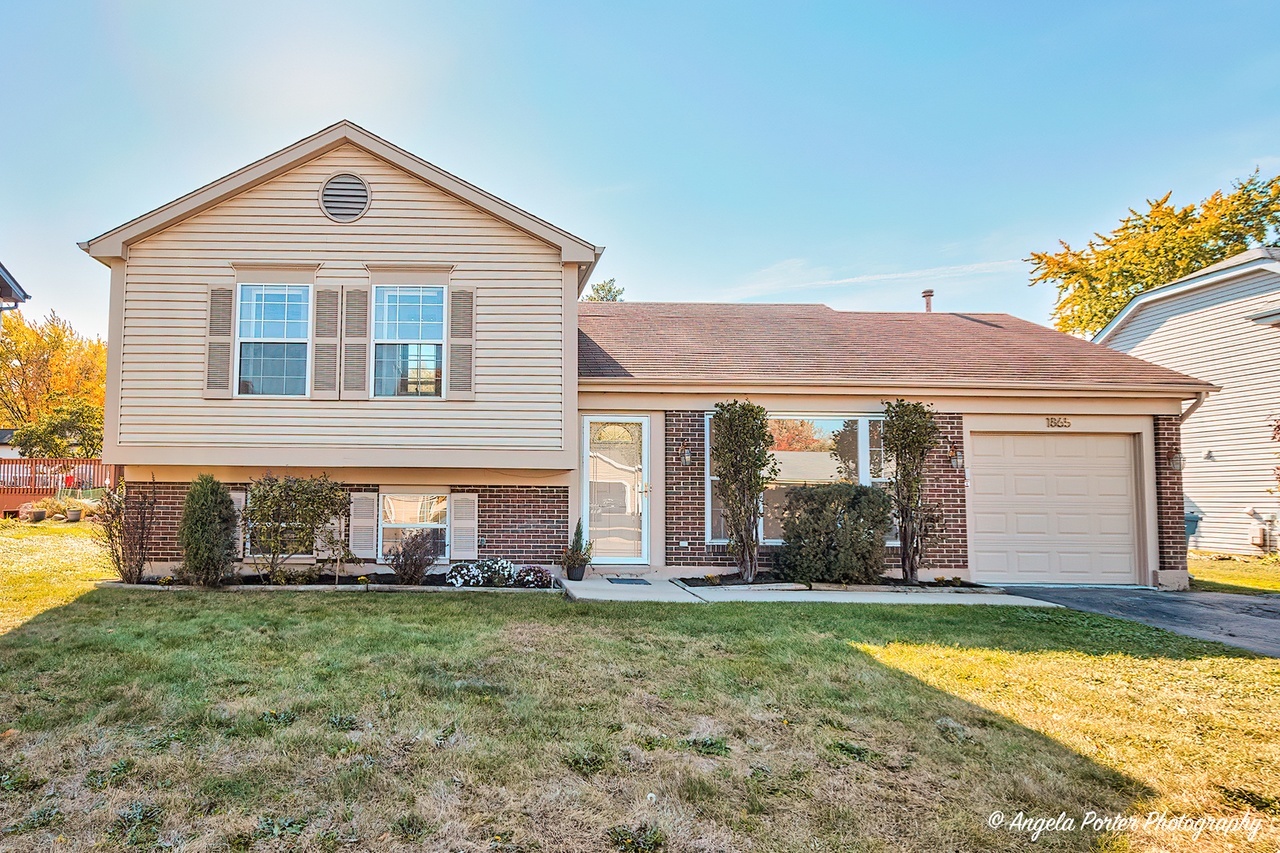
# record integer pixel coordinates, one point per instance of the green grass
(1243, 575)
(526, 722)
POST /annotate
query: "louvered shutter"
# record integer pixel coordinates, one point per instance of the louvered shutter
(464, 527)
(327, 325)
(237, 499)
(462, 350)
(355, 343)
(362, 532)
(218, 343)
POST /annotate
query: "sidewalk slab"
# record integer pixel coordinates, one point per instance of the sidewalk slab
(599, 589)
(718, 594)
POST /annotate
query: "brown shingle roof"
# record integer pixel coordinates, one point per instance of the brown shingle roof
(715, 342)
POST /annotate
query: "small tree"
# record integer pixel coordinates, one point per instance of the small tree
(123, 524)
(207, 534)
(741, 459)
(287, 517)
(72, 429)
(910, 433)
(605, 291)
(834, 533)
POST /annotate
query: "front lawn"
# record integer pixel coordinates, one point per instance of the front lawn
(1245, 575)
(521, 722)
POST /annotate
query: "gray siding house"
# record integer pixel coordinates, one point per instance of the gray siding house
(1221, 325)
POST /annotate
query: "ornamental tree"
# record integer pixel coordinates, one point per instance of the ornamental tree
(910, 432)
(742, 462)
(287, 516)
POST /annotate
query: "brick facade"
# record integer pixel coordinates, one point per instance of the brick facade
(525, 524)
(1170, 514)
(686, 500)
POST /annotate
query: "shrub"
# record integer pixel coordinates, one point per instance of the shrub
(207, 533)
(481, 573)
(125, 519)
(531, 577)
(286, 516)
(834, 533)
(415, 555)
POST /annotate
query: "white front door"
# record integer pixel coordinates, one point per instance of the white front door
(615, 470)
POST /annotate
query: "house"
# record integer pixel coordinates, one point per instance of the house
(11, 293)
(1222, 325)
(7, 450)
(344, 306)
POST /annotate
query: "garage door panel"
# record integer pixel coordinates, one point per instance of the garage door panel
(1053, 508)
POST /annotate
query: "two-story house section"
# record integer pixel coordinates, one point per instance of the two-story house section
(343, 306)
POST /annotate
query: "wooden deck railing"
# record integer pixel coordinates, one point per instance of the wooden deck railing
(47, 476)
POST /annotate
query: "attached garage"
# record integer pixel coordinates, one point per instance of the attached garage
(1054, 508)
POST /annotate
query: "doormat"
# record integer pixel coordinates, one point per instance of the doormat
(632, 581)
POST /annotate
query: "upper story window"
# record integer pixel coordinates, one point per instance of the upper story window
(273, 330)
(408, 341)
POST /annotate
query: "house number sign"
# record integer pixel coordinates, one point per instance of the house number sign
(1058, 423)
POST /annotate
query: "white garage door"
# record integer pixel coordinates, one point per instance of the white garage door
(1053, 508)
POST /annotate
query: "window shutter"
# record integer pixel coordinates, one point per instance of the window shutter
(324, 370)
(355, 343)
(218, 341)
(464, 527)
(462, 332)
(237, 499)
(362, 533)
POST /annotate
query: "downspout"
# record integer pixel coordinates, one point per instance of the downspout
(1199, 401)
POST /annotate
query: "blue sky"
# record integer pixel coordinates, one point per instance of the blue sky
(846, 153)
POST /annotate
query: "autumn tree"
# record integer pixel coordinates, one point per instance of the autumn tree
(797, 434)
(44, 364)
(1154, 247)
(605, 291)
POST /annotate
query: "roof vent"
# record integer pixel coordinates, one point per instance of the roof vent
(344, 198)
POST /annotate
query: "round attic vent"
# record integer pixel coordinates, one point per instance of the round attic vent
(344, 198)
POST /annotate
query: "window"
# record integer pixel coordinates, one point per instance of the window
(402, 514)
(809, 450)
(408, 341)
(274, 335)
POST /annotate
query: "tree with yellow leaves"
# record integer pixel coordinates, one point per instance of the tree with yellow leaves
(45, 364)
(1155, 247)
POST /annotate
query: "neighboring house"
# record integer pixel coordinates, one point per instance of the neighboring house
(7, 450)
(1221, 325)
(11, 293)
(344, 306)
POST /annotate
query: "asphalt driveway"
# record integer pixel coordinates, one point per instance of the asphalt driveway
(1250, 622)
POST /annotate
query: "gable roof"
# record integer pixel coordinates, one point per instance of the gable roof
(630, 343)
(10, 290)
(114, 243)
(1265, 258)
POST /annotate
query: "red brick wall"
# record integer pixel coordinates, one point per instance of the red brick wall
(525, 524)
(686, 500)
(1170, 518)
(948, 556)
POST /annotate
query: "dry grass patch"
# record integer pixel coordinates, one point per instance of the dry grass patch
(1244, 575)
(522, 723)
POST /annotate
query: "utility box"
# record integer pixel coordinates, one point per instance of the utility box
(1258, 535)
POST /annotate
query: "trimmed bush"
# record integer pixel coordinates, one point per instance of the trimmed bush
(207, 534)
(834, 533)
(415, 555)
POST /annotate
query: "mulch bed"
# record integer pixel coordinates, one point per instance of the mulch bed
(734, 579)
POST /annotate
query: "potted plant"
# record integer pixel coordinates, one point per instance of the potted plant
(73, 514)
(37, 515)
(577, 556)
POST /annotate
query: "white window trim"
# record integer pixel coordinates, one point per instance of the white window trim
(236, 341)
(864, 464)
(373, 351)
(438, 492)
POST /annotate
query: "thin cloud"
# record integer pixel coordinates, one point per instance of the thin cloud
(794, 274)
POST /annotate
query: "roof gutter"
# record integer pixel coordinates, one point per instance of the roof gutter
(1195, 404)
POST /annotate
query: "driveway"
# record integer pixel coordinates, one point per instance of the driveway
(1249, 622)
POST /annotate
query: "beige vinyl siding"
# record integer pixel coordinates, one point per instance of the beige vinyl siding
(1208, 334)
(519, 358)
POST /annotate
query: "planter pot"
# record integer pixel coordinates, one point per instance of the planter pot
(73, 515)
(37, 515)
(575, 573)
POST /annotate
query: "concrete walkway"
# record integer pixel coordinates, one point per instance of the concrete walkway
(1250, 622)
(660, 589)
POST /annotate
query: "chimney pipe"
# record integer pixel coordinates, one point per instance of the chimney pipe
(928, 300)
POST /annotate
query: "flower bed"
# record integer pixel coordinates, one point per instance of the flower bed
(490, 574)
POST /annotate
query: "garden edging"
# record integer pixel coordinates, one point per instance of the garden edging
(373, 587)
